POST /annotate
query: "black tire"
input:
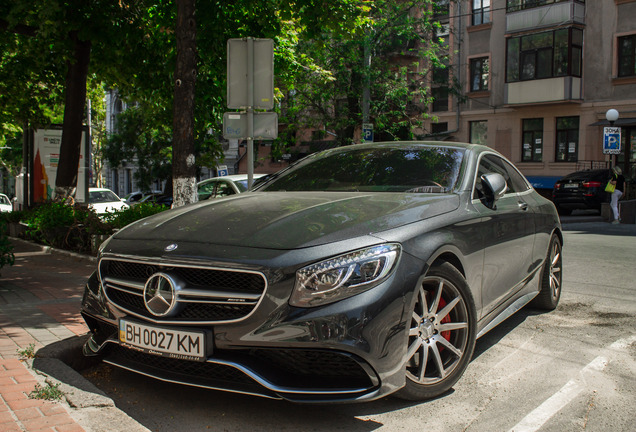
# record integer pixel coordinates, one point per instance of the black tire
(551, 277)
(442, 334)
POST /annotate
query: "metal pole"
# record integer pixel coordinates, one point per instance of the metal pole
(250, 111)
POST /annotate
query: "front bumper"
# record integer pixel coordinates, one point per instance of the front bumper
(351, 350)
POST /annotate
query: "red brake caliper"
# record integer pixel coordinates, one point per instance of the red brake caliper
(445, 334)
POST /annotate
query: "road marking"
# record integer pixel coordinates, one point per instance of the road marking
(544, 412)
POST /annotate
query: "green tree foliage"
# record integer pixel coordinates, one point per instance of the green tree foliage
(320, 68)
(397, 38)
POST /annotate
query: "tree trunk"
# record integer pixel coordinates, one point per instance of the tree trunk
(183, 159)
(75, 99)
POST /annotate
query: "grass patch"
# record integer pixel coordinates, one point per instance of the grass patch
(28, 352)
(48, 392)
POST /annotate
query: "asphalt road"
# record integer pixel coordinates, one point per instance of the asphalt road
(573, 369)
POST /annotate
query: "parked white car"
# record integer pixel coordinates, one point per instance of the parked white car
(103, 200)
(217, 187)
(5, 204)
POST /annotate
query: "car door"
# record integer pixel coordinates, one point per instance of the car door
(508, 233)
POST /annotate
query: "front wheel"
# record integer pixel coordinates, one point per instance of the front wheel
(551, 277)
(441, 337)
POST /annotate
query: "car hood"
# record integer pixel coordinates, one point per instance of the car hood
(288, 220)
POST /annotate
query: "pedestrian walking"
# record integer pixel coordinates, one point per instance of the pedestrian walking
(618, 181)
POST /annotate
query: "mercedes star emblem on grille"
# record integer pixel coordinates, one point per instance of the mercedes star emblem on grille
(160, 294)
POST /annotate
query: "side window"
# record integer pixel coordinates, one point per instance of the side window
(224, 189)
(491, 164)
(206, 190)
(516, 182)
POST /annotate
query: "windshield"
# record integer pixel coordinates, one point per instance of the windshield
(408, 169)
(102, 196)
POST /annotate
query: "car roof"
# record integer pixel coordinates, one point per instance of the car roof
(233, 177)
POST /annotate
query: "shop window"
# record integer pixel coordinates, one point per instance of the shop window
(567, 139)
(532, 142)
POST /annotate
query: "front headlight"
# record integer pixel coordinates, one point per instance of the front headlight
(343, 276)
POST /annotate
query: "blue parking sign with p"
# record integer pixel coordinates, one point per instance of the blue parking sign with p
(367, 132)
(611, 140)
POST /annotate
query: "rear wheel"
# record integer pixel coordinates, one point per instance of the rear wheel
(441, 336)
(551, 277)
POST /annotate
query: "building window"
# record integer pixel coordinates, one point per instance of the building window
(479, 72)
(544, 55)
(478, 132)
(627, 56)
(440, 98)
(437, 128)
(441, 9)
(567, 139)
(517, 5)
(481, 12)
(532, 140)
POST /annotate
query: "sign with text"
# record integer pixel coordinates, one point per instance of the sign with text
(367, 132)
(46, 156)
(611, 140)
(265, 125)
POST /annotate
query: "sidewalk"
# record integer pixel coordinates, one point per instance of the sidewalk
(40, 299)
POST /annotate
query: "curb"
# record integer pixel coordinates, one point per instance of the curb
(50, 249)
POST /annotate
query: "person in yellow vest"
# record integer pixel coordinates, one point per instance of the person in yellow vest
(619, 183)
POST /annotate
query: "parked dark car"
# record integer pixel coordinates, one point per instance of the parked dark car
(357, 272)
(158, 199)
(581, 190)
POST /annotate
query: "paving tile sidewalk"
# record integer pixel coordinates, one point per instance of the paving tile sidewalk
(39, 304)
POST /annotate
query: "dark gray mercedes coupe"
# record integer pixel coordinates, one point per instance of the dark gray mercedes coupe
(353, 274)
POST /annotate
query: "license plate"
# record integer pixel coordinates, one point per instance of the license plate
(179, 344)
(570, 185)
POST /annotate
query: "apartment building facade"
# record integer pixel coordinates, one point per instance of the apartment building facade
(536, 78)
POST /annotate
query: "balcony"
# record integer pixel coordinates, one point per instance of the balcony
(561, 89)
(546, 16)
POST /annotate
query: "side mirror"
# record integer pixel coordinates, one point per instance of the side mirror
(494, 188)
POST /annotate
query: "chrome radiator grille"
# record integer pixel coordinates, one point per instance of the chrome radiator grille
(208, 295)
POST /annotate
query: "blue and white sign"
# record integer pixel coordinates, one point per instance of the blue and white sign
(367, 132)
(221, 171)
(611, 140)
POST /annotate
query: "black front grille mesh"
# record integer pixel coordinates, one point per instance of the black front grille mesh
(232, 283)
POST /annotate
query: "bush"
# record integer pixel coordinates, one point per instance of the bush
(6, 248)
(75, 227)
(121, 218)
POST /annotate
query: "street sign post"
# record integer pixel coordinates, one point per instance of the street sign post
(265, 125)
(253, 57)
(221, 171)
(367, 132)
(612, 140)
(250, 85)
